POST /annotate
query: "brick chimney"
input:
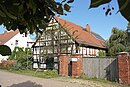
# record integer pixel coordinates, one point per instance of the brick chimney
(5, 31)
(88, 28)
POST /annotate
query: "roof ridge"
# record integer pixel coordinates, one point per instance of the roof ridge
(67, 21)
(83, 36)
(6, 36)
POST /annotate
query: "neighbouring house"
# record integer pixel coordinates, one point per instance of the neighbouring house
(64, 37)
(13, 39)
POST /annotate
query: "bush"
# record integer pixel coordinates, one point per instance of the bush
(101, 53)
(22, 56)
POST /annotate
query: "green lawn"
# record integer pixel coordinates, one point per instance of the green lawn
(36, 73)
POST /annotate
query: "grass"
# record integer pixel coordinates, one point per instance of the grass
(41, 74)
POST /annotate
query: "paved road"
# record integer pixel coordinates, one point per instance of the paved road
(15, 80)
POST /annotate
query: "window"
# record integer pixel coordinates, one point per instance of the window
(27, 44)
(16, 42)
(77, 47)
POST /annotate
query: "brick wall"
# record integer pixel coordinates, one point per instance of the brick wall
(76, 65)
(63, 65)
(64, 60)
(124, 68)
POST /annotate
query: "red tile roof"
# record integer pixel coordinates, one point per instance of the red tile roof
(82, 35)
(7, 36)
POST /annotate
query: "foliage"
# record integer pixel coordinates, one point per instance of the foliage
(128, 32)
(5, 50)
(124, 6)
(30, 15)
(22, 56)
(7, 64)
(95, 3)
(118, 42)
(101, 53)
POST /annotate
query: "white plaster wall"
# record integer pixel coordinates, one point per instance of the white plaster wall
(22, 42)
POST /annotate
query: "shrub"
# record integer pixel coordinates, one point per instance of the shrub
(101, 53)
(22, 56)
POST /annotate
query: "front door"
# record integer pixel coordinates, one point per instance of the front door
(70, 69)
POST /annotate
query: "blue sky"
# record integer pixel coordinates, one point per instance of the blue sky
(99, 23)
(95, 17)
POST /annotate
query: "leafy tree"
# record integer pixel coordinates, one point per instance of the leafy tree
(21, 55)
(117, 42)
(30, 15)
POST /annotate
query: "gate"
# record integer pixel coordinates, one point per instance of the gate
(104, 68)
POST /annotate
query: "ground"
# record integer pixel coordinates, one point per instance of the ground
(8, 79)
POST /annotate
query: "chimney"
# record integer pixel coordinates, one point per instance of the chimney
(88, 28)
(5, 31)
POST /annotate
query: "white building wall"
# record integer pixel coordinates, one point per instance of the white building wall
(97, 52)
(22, 42)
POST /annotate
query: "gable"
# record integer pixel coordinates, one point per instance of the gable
(81, 35)
(6, 36)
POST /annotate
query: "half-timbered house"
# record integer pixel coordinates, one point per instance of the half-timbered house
(64, 37)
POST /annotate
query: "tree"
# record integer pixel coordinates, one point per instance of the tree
(30, 15)
(117, 42)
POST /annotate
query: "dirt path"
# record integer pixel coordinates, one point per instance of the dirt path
(15, 80)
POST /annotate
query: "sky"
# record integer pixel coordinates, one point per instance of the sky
(100, 23)
(96, 18)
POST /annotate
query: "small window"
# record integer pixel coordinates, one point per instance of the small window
(27, 44)
(16, 42)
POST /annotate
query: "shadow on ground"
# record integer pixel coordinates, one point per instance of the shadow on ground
(26, 84)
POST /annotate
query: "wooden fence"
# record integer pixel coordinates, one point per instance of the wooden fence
(104, 68)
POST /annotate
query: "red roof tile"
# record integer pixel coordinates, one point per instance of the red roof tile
(82, 35)
(7, 36)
